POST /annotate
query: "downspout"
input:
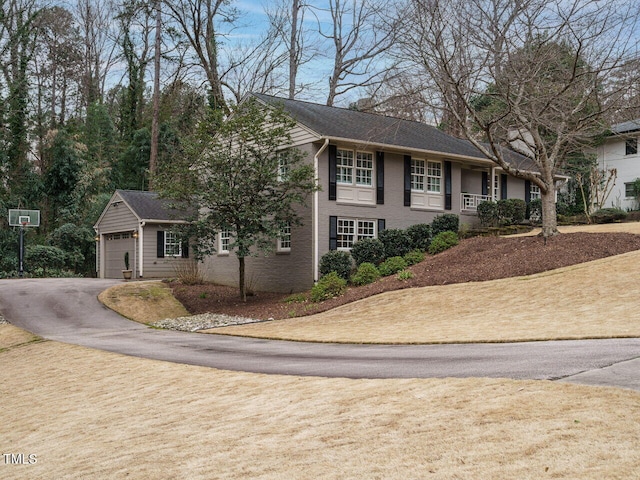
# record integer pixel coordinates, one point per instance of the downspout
(141, 248)
(316, 221)
(492, 185)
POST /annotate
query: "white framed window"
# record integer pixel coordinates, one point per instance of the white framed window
(364, 169)
(417, 175)
(354, 168)
(434, 177)
(426, 176)
(351, 230)
(284, 240)
(172, 246)
(224, 239)
(534, 192)
(344, 166)
(283, 166)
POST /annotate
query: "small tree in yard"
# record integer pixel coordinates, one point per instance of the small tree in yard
(242, 180)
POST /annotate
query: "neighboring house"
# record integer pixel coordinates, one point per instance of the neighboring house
(375, 172)
(139, 223)
(620, 151)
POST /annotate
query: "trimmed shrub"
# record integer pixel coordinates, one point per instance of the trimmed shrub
(420, 235)
(396, 242)
(488, 214)
(608, 215)
(329, 286)
(370, 250)
(336, 261)
(511, 211)
(413, 257)
(367, 273)
(448, 222)
(443, 241)
(392, 265)
(405, 275)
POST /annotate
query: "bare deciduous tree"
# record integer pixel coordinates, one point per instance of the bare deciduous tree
(361, 32)
(529, 72)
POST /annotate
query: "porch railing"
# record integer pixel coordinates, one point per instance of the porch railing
(470, 201)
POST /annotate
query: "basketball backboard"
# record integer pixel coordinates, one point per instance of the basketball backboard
(24, 218)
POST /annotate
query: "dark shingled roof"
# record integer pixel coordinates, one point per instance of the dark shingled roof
(149, 206)
(626, 127)
(365, 127)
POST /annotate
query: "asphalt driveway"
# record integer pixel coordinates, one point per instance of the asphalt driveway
(67, 310)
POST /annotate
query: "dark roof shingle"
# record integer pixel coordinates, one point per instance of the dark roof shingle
(149, 206)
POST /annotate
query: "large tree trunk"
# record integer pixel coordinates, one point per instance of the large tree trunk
(549, 217)
(243, 291)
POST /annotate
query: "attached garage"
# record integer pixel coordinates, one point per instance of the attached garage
(144, 226)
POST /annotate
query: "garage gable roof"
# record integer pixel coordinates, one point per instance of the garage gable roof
(148, 206)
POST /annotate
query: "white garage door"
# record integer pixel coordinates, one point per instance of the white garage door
(115, 246)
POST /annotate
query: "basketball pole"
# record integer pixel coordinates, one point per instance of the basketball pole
(21, 252)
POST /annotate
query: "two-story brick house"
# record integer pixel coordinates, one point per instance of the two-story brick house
(375, 172)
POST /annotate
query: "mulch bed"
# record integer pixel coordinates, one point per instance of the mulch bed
(474, 259)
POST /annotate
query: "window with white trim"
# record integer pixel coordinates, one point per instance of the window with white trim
(344, 166)
(224, 239)
(534, 192)
(354, 168)
(630, 190)
(283, 166)
(351, 230)
(172, 245)
(284, 240)
(426, 176)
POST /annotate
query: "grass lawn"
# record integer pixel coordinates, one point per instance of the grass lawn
(85, 413)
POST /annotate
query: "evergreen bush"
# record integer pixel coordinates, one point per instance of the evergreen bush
(488, 214)
(392, 265)
(413, 257)
(369, 250)
(45, 258)
(443, 241)
(511, 211)
(336, 261)
(396, 242)
(448, 222)
(367, 273)
(608, 215)
(329, 286)
(420, 235)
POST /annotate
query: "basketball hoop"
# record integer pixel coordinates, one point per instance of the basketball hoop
(23, 219)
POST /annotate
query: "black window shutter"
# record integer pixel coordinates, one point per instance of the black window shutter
(185, 249)
(160, 249)
(527, 191)
(380, 178)
(333, 153)
(381, 225)
(407, 180)
(333, 233)
(447, 186)
(485, 183)
(503, 186)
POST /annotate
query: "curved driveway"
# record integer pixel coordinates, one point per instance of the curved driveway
(67, 310)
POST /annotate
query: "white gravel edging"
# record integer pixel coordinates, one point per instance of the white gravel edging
(202, 322)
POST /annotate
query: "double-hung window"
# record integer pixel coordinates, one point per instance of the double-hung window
(351, 230)
(344, 167)
(284, 240)
(224, 239)
(283, 166)
(426, 176)
(354, 168)
(172, 245)
(534, 192)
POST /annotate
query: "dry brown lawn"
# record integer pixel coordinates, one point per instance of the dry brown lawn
(87, 414)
